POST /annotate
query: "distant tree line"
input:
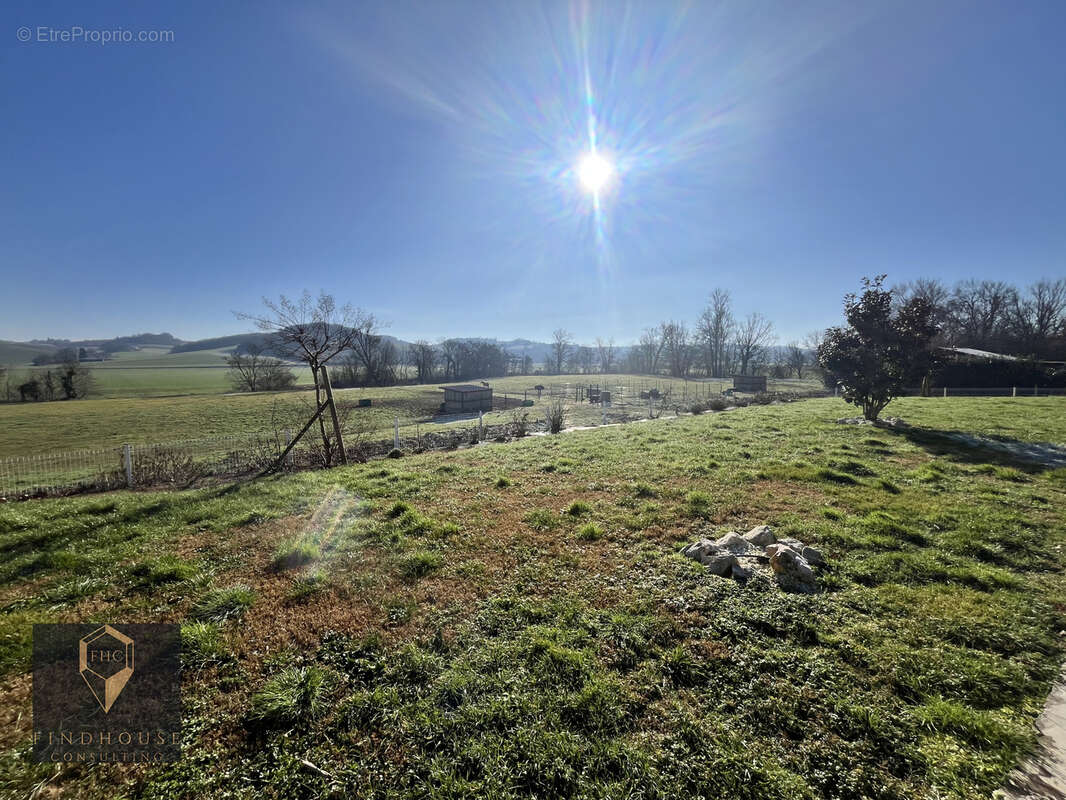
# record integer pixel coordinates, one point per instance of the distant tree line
(68, 380)
(994, 315)
(718, 344)
(252, 370)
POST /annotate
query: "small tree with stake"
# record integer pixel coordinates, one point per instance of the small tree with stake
(879, 352)
(313, 330)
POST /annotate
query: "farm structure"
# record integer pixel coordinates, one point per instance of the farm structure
(463, 398)
(749, 383)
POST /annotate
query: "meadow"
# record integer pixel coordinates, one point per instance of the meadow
(515, 620)
(98, 422)
(156, 372)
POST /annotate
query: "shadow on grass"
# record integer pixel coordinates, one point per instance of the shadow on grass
(970, 448)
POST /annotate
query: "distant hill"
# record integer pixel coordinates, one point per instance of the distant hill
(22, 353)
(119, 344)
(238, 340)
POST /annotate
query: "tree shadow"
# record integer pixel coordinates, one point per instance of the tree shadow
(971, 448)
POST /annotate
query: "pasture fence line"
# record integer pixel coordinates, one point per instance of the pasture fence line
(178, 464)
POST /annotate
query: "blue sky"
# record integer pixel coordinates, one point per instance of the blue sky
(417, 159)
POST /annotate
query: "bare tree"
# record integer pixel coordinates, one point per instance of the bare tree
(374, 353)
(311, 330)
(561, 343)
(753, 336)
(648, 351)
(1039, 316)
(606, 353)
(979, 311)
(813, 340)
(582, 359)
(450, 352)
(423, 358)
(254, 371)
(796, 358)
(675, 343)
(714, 332)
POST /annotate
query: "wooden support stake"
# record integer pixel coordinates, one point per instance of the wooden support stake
(281, 459)
(333, 412)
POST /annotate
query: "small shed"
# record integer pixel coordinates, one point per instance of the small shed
(464, 398)
(749, 383)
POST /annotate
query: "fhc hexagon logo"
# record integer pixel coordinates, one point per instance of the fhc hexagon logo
(106, 693)
(105, 661)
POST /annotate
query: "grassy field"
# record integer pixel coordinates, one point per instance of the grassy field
(155, 372)
(514, 620)
(109, 422)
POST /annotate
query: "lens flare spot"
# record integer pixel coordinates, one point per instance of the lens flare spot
(594, 172)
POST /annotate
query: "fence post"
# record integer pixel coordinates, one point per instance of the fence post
(127, 459)
(480, 425)
(1034, 391)
(603, 409)
(945, 391)
(1014, 391)
(396, 433)
(288, 441)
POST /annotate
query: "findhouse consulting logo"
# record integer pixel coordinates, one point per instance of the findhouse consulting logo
(106, 663)
(106, 693)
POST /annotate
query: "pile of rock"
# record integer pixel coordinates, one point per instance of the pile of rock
(739, 556)
(881, 422)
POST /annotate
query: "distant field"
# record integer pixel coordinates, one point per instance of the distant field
(106, 422)
(154, 372)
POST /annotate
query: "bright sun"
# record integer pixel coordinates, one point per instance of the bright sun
(595, 172)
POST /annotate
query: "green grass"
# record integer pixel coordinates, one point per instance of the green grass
(220, 605)
(463, 639)
(138, 402)
(295, 553)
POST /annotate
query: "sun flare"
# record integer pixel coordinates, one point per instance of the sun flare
(594, 172)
